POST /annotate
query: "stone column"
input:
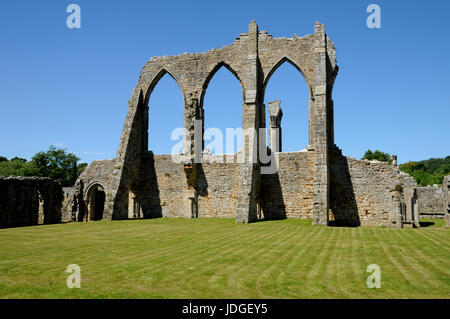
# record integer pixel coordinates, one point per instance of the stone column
(276, 115)
(320, 127)
(249, 168)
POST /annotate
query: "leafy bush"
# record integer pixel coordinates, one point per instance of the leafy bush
(377, 155)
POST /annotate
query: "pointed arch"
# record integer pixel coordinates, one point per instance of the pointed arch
(277, 65)
(211, 74)
(223, 109)
(293, 91)
(156, 80)
(148, 123)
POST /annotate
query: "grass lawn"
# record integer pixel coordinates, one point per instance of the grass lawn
(215, 258)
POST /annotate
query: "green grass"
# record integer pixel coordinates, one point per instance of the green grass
(215, 258)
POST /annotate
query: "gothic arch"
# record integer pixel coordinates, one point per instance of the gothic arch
(148, 91)
(277, 65)
(211, 74)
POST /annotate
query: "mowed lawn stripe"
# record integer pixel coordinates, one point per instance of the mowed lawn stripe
(216, 258)
(415, 252)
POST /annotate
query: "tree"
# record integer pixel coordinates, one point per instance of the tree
(377, 155)
(57, 164)
(428, 172)
(23, 160)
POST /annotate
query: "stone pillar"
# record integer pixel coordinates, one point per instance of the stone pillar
(276, 114)
(411, 218)
(396, 213)
(394, 160)
(320, 126)
(249, 168)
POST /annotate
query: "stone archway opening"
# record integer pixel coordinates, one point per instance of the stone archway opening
(165, 103)
(96, 202)
(286, 98)
(221, 106)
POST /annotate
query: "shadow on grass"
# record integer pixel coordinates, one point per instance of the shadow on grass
(333, 223)
(426, 224)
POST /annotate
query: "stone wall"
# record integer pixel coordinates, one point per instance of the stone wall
(26, 201)
(289, 193)
(432, 201)
(446, 186)
(99, 173)
(367, 192)
(165, 184)
(253, 57)
(318, 183)
(218, 187)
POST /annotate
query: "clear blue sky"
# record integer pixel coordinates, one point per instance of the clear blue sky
(71, 87)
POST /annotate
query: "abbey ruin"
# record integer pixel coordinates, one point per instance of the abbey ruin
(317, 182)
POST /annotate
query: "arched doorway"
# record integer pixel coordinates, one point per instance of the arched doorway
(96, 202)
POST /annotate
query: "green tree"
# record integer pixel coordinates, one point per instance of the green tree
(57, 164)
(3, 159)
(377, 155)
(23, 160)
(428, 172)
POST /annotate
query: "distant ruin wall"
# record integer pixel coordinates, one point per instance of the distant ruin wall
(432, 201)
(367, 192)
(26, 201)
(446, 186)
(104, 173)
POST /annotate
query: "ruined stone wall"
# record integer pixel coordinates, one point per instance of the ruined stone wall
(164, 183)
(252, 58)
(218, 187)
(289, 193)
(365, 192)
(106, 173)
(170, 185)
(432, 201)
(446, 186)
(26, 201)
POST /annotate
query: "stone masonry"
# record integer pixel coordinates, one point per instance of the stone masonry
(317, 182)
(26, 201)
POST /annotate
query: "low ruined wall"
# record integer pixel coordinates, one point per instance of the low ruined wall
(432, 201)
(446, 186)
(218, 187)
(105, 173)
(289, 192)
(167, 191)
(365, 192)
(26, 201)
(165, 184)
